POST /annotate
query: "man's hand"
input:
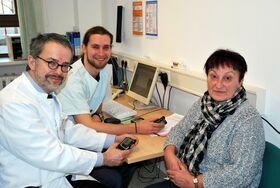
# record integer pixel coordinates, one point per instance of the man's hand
(115, 157)
(148, 126)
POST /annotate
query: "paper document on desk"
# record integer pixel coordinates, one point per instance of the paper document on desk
(172, 120)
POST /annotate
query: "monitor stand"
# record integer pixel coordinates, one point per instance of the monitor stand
(141, 106)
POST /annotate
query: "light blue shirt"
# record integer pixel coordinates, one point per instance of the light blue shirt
(81, 93)
(38, 145)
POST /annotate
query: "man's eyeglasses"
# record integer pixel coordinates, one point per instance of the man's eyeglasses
(54, 65)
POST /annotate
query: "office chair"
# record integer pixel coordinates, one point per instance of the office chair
(271, 167)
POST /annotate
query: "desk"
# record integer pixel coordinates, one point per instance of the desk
(148, 147)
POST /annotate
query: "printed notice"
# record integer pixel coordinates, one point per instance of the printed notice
(137, 20)
(151, 18)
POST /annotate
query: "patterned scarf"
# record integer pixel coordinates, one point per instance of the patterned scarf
(194, 145)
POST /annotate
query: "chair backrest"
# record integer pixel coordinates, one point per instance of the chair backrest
(271, 167)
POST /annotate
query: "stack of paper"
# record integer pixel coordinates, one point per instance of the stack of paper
(172, 120)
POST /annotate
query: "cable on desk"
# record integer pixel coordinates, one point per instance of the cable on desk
(135, 125)
(133, 104)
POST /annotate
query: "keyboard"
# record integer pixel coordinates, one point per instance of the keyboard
(117, 110)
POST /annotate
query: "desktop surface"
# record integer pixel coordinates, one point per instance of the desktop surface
(149, 146)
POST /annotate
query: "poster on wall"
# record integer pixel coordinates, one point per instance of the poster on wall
(137, 20)
(151, 18)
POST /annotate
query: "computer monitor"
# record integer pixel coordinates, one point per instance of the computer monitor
(142, 85)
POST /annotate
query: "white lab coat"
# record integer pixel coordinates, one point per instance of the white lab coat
(37, 149)
(81, 93)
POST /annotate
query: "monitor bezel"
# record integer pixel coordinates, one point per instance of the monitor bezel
(136, 96)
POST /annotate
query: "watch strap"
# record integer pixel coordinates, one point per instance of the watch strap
(100, 115)
(195, 181)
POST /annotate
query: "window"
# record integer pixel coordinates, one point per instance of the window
(8, 23)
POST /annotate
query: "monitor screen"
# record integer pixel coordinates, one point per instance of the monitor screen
(143, 82)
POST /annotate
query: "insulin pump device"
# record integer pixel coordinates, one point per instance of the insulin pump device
(161, 120)
(126, 143)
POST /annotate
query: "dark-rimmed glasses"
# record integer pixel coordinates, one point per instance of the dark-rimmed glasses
(54, 65)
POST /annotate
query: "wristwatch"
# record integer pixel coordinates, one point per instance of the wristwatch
(195, 181)
(100, 115)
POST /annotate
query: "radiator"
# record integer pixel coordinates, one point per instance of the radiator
(6, 79)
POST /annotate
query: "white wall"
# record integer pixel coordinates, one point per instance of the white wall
(56, 18)
(63, 15)
(191, 30)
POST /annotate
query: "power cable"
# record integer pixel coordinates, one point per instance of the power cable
(170, 88)
(271, 125)
(161, 105)
(163, 97)
(164, 81)
(149, 171)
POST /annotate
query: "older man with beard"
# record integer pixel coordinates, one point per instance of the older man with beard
(39, 146)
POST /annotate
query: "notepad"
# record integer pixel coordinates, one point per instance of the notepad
(172, 120)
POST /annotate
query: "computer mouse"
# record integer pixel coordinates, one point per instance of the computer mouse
(112, 120)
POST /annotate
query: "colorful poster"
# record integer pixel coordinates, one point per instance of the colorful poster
(137, 25)
(151, 18)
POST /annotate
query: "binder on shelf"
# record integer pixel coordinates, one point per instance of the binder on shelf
(75, 40)
(14, 47)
